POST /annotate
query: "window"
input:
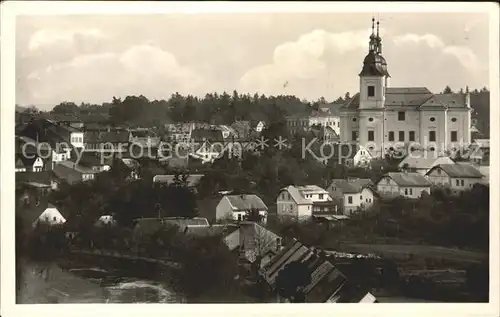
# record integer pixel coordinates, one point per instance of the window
(239, 217)
(371, 136)
(354, 119)
(406, 191)
(439, 171)
(320, 196)
(401, 135)
(401, 116)
(432, 119)
(371, 91)
(432, 136)
(387, 181)
(349, 199)
(411, 191)
(454, 136)
(391, 135)
(354, 135)
(412, 136)
(462, 182)
(453, 119)
(458, 182)
(360, 197)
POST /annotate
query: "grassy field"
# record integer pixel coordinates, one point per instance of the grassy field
(404, 251)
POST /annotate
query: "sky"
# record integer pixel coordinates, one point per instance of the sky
(91, 58)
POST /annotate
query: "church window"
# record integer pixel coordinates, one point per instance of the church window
(401, 116)
(432, 119)
(371, 91)
(431, 149)
(454, 136)
(354, 135)
(453, 119)
(391, 135)
(432, 136)
(412, 136)
(353, 119)
(370, 119)
(401, 135)
(371, 136)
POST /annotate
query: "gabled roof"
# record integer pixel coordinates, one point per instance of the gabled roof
(459, 170)
(298, 192)
(245, 202)
(423, 160)
(212, 135)
(404, 179)
(131, 163)
(352, 186)
(182, 223)
(102, 137)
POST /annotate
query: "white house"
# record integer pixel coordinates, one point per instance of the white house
(238, 207)
(422, 161)
(406, 184)
(259, 127)
(105, 220)
(380, 116)
(348, 154)
(50, 216)
(353, 194)
(457, 177)
(302, 202)
(296, 123)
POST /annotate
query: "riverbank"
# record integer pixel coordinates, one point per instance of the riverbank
(50, 283)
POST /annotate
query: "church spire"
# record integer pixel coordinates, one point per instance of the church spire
(373, 38)
(379, 39)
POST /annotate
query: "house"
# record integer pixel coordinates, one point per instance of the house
(253, 242)
(183, 223)
(353, 194)
(479, 152)
(72, 173)
(406, 184)
(105, 220)
(457, 177)
(327, 284)
(228, 132)
(116, 141)
(303, 202)
(325, 134)
(50, 216)
(207, 152)
(69, 134)
(348, 154)
(239, 207)
(191, 180)
(243, 129)
(422, 161)
(180, 132)
(29, 163)
(258, 126)
(133, 167)
(379, 116)
(93, 161)
(303, 122)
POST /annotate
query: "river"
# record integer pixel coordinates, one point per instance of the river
(49, 283)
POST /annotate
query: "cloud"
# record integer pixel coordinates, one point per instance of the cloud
(305, 64)
(326, 64)
(50, 36)
(142, 69)
(465, 55)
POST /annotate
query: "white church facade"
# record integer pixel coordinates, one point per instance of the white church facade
(381, 117)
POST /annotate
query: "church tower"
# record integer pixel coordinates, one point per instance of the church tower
(373, 80)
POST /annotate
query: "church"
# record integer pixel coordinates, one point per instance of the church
(381, 117)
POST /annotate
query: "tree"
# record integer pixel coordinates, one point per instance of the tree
(66, 108)
(292, 280)
(447, 90)
(347, 96)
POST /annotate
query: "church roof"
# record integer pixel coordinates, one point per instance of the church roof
(417, 97)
